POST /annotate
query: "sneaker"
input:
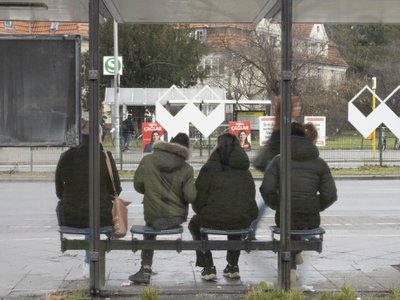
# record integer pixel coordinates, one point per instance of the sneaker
(299, 259)
(232, 272)
(209, 273)
(143, 276)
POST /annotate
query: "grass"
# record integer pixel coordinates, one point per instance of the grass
(345, 293)
(75, 295)
(148, 293)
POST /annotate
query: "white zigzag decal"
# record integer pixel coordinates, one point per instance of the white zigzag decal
(382, 114)
(190, 114)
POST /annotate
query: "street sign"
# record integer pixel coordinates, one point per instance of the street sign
(109, 65)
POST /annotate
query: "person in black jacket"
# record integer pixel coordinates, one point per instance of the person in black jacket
(128, 130)
(313, 188)
(72, 187)
(225, 200)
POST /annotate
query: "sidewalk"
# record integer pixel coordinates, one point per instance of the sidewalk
(367, 259)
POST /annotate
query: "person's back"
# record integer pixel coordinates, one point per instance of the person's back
(167, 182)
(312, 186)
(72, 187)
(226, 191)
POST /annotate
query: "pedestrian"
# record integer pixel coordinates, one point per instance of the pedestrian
(272, 148)
(103, 128)
(313, 188)
(167, 182)
(72, 186)
(225, 200)
(127, 131)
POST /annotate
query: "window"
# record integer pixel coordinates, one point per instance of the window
(54, 26)
(200, 34)
(8, 24)
(273, 40)
(213, 66)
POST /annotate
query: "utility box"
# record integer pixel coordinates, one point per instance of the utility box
(39, 90)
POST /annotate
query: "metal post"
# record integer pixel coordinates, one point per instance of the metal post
(115, 120)
(94, 147)
(285, 134)
(373, 144)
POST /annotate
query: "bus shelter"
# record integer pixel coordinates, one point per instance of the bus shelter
(200, 11)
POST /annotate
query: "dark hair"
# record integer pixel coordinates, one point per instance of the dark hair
(298, 129)
(152, 136)
(181, 139)
(246, 141)
(226, 142)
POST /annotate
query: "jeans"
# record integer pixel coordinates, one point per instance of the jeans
(127, 140)
(262, 208)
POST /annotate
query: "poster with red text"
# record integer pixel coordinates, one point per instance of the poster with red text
(243, 132)
(151, 132)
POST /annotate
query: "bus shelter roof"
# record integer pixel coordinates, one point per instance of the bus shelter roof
(204, 11)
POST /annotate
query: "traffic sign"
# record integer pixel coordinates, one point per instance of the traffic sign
(109, 65)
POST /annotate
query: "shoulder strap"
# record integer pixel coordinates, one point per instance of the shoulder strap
(110, 172)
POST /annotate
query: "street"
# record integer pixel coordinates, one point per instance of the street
(363, 235)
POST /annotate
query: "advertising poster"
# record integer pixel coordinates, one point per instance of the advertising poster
(266, 125)
(242, 131)
(151, 132)
(320, 124)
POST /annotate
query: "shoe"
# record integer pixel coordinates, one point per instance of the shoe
(143, 276)
(209, 273)
(299, 259)
(232, 272)
(294, 276)
(85, 270)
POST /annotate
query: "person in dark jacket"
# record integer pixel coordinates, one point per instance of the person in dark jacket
(225, 200)
(313, 188)
(72, 185)
(128, 130)
(167, 182)
(273, 147)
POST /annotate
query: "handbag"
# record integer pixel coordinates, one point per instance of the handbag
(120, 208)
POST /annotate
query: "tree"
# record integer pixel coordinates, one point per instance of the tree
(153, 55)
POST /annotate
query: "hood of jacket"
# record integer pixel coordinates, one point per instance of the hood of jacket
(303, 149)
(237, 160)
(169, 156)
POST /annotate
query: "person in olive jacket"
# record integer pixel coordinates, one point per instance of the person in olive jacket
(72, 184)
(167, 182)
(225, 200)
(313, 188)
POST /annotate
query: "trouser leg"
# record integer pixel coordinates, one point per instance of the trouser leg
(147, 255)
(232, 256)
(203, 259)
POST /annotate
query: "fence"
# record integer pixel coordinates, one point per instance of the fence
(342, 150)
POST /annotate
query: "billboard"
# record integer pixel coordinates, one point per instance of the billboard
(39, 90)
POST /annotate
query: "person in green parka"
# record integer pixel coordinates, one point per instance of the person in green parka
(225, 200)
(167, 182)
